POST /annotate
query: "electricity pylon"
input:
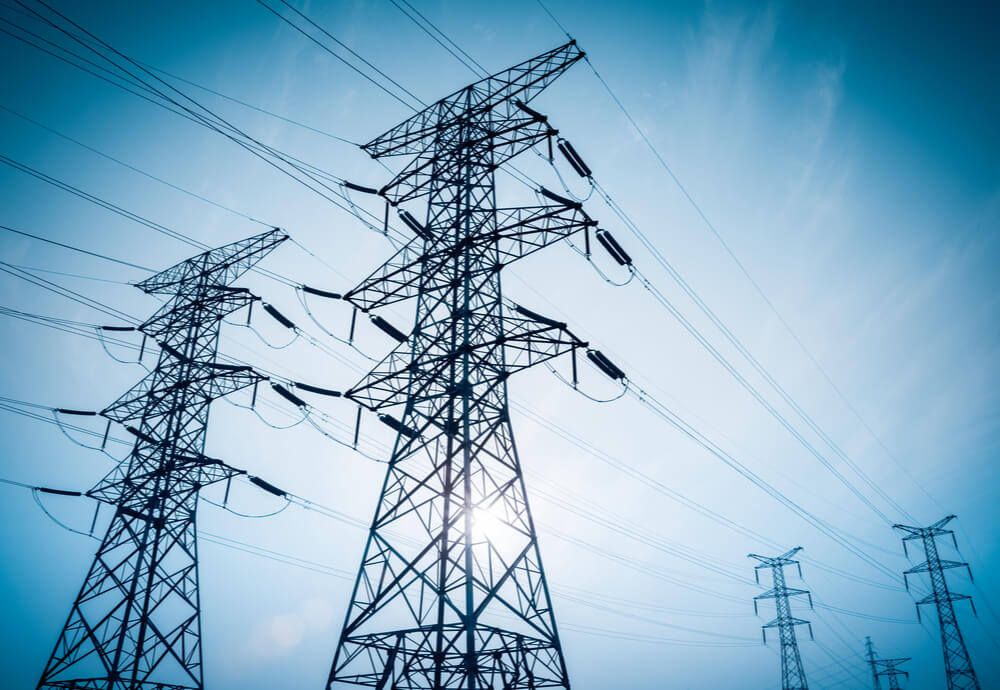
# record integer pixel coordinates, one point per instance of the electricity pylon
(451, 592)
(136, 624)
(890, 669)
(957, 664)
(871, 658)
(793, 675)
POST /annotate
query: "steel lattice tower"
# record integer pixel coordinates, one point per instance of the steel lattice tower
(957, 664)
(451, 592)
(793, 675)
(135, 623)
(890, 669)
(872, 662)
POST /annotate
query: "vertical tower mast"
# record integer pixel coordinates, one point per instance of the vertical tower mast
(871, 658)
(451, 592)
(793, 675)
(957, 663)
(136, 622)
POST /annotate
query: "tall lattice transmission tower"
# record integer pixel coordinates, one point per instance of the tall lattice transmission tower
(451, 591)
(135, 623)
(957, 663)
(793, 675)
(871, 658)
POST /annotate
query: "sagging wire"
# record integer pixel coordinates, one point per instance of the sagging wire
(253, 408)
(309, 412)
(260, 336)
(226, 508)
(104, 345)
(56, 411)
(576, 387)
(604, 276)
(35, 490)
(300, 293)
(356, 210)
(41, 418)
(575, 161)
(308, 417)
(50, 516)
(605, 238)
(601, 362)
(309, 338)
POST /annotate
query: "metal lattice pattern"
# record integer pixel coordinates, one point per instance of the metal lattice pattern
(793, 675)
(451, 592)
(957, 663)
(135, 623)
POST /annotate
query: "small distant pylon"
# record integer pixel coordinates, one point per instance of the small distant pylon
(872, 662)
(890, 669)
(793, 675)
(957, 664)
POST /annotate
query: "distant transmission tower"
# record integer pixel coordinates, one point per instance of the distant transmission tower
(793, 675)
(451, 592)
(890, 669)
(872, 662)
(135, 625)
(957, 664)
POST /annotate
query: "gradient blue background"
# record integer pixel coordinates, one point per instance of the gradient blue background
(848, 154)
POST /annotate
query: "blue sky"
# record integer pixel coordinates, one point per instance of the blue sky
(847, 155)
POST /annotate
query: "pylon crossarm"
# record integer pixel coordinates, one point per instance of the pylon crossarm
(942, 564)
(394, 281)
(935, 598)
(522, 82)
(422, 174)
(519, 232)
(212, 302)
(778, 622)
(794, 592)
(937, 526)
(524, 231)
(224, 264)
(399, 379)
(124, 480)
(785, 558)
(151, 393)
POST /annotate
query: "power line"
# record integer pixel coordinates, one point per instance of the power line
(75, 249)
(746, 273)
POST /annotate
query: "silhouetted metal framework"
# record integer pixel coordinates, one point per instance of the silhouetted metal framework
(889, 668)
(957, 664)
(793, 675)
(872, 665)
(451, 592)
(135, 623)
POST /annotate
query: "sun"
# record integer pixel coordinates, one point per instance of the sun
(488, 523)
